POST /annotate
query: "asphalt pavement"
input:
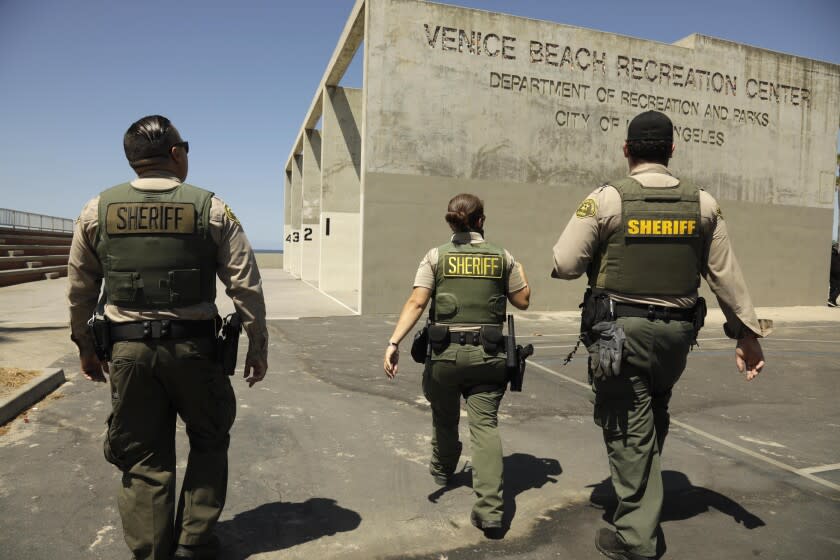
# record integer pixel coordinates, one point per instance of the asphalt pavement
(329, 459)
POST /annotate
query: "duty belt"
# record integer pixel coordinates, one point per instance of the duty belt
(468, 338)
(164, 328)
(653, 312)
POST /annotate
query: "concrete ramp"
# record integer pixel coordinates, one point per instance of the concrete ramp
(286, 297)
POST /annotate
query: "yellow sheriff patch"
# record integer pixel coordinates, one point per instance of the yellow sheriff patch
(680, 227)
(231, 216)
(587, 209)
(471, 265)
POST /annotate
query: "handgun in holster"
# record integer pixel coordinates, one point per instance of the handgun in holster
(515, 358)
(700, 310)
(227, 341)
(101, 331)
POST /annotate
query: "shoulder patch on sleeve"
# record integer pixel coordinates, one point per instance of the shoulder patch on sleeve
(718, 213)
(231, 216)
(587, 209)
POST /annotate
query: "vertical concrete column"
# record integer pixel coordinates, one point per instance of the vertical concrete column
(341, 146)
(310, 238)
(295, 215)
(287, 219)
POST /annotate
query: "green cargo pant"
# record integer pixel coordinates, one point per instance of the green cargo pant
(151, 382)
(632, 410)
(452, 372)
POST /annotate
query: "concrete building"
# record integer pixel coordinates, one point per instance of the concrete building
(531, 116)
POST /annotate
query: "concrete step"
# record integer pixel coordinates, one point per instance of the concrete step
(21, 275)
(8, 233)
(52, 275)
(9, 263)
(34, 250)
(26, 239)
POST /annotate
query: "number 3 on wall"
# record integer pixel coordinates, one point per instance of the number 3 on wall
(294, 237)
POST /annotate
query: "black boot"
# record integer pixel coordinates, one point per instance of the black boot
(608, 544)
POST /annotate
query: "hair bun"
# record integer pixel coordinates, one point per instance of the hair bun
(464, 211)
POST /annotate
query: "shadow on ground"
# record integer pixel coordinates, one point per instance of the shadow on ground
(682, 501)
(8, 334)
(522, 472)
(282, 525)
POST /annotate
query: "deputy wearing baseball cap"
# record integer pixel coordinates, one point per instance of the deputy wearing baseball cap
(644, 241)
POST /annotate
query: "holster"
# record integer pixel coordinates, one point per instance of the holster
(101, 331)
(594, 309)
(227, 342)
(420, 345)
(700, 310)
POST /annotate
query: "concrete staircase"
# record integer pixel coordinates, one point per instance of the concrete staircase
(26, 255)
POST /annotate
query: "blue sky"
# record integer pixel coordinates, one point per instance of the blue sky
(236, 78)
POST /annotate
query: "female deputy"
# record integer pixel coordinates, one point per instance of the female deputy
(469, 282)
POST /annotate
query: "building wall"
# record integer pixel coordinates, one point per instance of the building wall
(340, 221)
(310, 230)
(287, 217)
(296, 200)
(532, 116)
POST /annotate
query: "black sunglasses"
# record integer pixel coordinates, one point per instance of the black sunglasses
(185, 145)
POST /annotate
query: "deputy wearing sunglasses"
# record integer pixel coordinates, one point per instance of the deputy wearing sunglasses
(158, 244)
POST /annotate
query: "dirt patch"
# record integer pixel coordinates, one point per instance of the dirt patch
(14, 378)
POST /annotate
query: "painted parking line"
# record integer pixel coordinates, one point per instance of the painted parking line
(821, 468)
(784, 466)
(774, 339)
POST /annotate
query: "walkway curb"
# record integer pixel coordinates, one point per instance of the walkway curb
(30, 393)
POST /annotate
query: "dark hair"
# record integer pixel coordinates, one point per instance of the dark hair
(653, 151)
(150, 137)
(464, 212)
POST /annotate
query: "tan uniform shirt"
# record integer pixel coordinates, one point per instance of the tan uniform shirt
(581, 240)
(235, 266)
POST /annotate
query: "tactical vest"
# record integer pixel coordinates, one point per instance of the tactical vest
(657, 251)
(155, 247)
(470, 284)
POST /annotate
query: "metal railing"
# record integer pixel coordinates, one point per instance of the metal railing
(15, 219)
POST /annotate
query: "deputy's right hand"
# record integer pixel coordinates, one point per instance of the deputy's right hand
(749, 357)
(93, 368)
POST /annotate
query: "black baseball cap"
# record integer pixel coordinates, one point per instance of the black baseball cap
(650, 125)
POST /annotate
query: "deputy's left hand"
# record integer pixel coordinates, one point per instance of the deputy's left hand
(749, 356)
(392, 360)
